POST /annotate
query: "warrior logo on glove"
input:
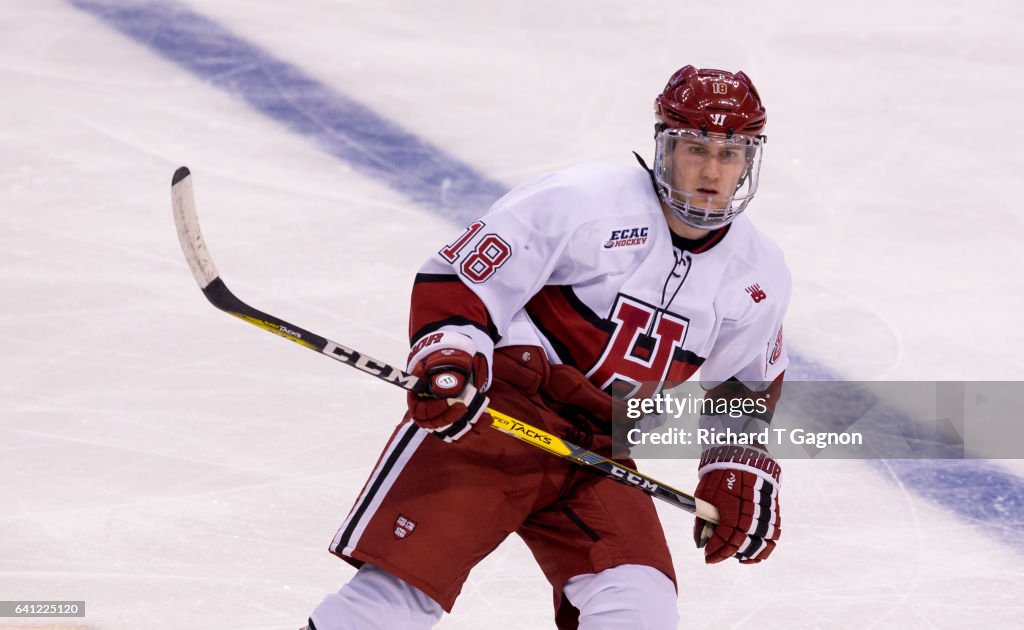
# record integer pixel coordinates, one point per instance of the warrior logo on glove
(446, 383)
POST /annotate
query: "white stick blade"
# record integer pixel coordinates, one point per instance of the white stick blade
(187, 223)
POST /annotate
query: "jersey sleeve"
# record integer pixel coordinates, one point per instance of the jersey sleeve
(748, 362)
(477, 282)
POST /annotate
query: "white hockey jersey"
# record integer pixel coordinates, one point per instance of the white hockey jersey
(582, 263)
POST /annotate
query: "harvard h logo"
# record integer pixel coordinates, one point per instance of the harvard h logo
(638, 362)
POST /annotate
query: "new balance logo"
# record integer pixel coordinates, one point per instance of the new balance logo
(756, 293)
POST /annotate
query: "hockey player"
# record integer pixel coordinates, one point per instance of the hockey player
(579, 287)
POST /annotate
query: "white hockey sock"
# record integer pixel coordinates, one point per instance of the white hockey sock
(374, 599)
(627, 596)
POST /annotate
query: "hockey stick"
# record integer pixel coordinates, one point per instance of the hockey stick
(205, 273)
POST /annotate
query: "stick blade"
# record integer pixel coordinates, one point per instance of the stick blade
(186, 221)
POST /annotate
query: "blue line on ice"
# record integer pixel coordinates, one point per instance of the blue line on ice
(342, 127)
(976, 490)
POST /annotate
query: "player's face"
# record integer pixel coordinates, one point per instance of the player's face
(708, 170)
(706, 180)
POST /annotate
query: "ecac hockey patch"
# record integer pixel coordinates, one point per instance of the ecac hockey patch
(627, 237)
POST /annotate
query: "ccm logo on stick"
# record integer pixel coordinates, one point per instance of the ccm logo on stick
(633, 479)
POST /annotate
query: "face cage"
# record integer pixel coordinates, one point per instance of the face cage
(698, 210)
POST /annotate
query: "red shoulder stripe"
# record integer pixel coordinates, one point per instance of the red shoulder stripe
(440, 299)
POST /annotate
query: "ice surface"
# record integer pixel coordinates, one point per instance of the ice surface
(177, 469)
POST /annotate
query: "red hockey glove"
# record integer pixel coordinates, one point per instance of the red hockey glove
(457, 377)
(743, 483)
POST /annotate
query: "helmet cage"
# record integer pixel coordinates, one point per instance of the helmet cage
(707, 179)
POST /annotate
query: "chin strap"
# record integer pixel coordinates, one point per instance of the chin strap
(654, 181)
(650, 172)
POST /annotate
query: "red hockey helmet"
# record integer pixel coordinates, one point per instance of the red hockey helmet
(708, 145)
(711, 101)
